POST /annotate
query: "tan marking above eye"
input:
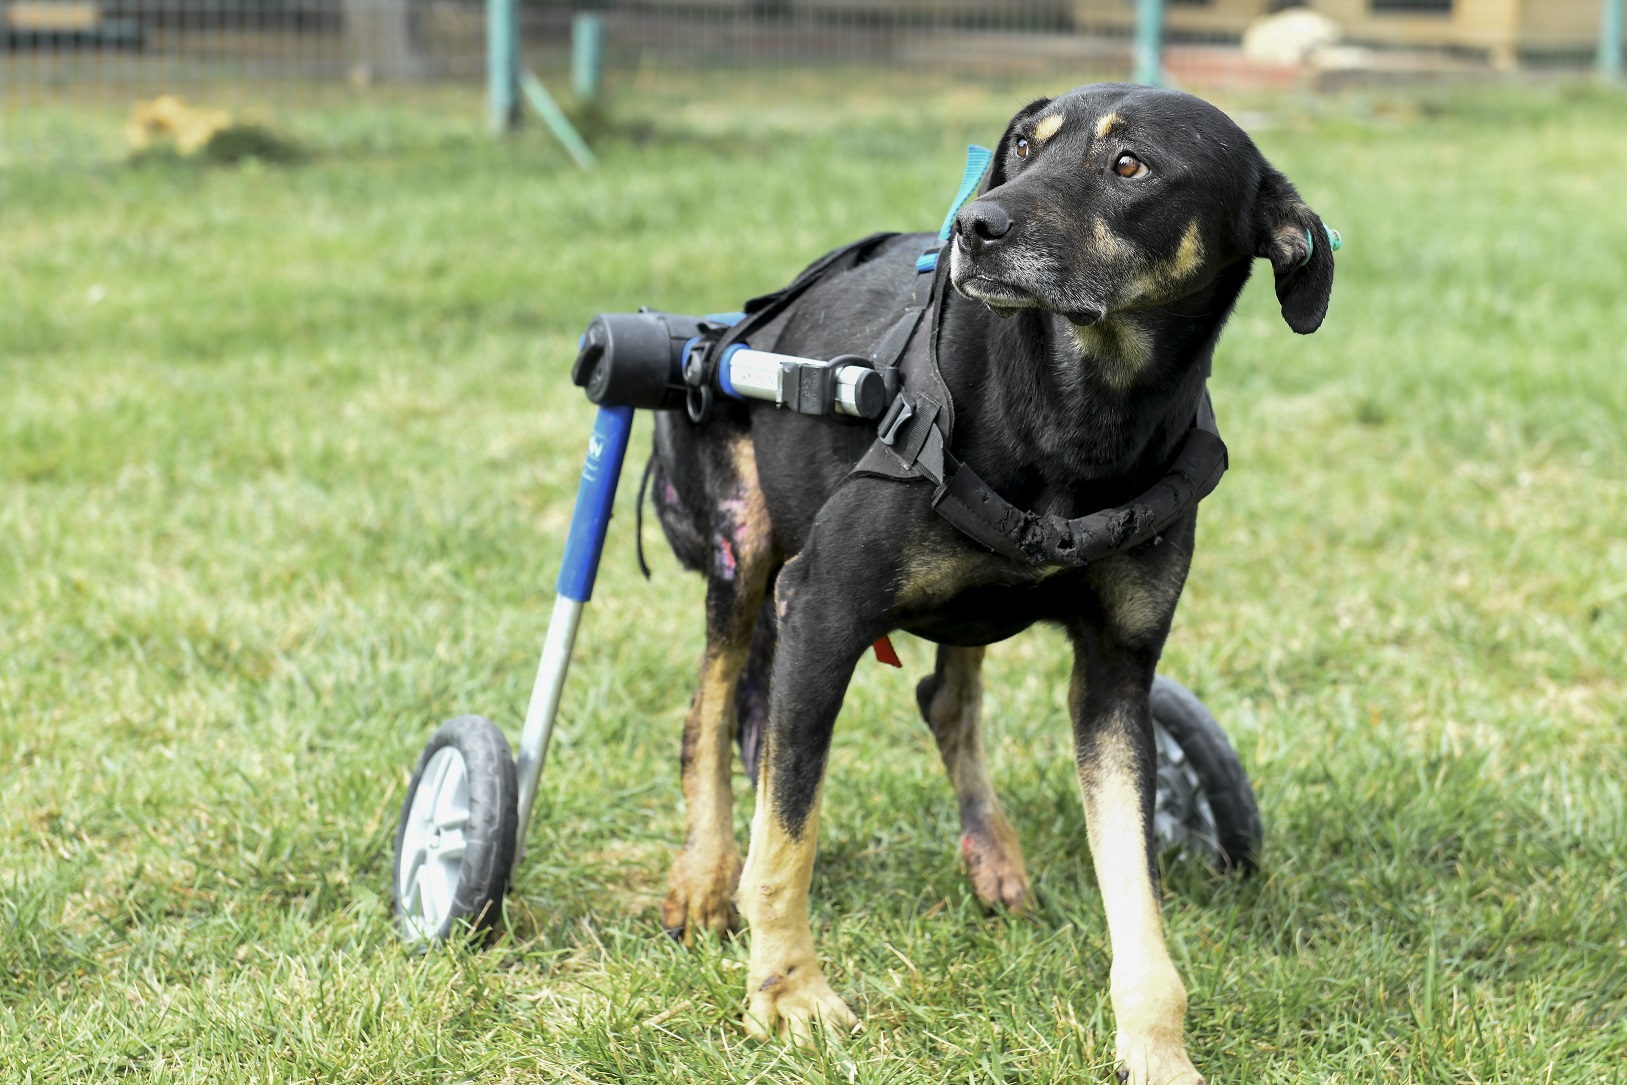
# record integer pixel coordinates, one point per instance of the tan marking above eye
(1128, 165)
(1048, 127)
(1106, 125)
(1022, 148)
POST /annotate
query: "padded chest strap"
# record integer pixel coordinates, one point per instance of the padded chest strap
(969, 503)
(915, 441)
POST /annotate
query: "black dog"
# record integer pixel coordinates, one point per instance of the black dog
(1092, 277)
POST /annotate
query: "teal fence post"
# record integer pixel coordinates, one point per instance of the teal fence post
(502, 65)
(1610, 32)
(587, 56)
(555, 119)
(1149, 61)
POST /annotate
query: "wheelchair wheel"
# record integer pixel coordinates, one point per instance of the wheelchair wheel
(455, 843)
(1205, 804)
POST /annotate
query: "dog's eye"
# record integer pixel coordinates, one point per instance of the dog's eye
(1128, 165)
(1022, 148)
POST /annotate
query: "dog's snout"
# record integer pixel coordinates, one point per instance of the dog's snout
(982, 221)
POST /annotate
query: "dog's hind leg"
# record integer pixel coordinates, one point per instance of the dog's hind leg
(701, 884)
(951, 700)
(751, 695)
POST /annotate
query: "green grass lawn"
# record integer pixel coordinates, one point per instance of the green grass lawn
(286, 459)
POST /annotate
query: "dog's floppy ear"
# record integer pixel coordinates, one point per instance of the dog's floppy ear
(1292, 237)
(997, 172)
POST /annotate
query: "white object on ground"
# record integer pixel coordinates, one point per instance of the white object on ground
(1289, 37)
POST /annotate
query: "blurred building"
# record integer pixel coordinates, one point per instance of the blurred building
(1505, 30)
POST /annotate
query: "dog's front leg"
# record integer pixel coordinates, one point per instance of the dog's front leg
(1116, 760)
(822, 635)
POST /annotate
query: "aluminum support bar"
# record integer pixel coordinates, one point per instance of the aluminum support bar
(762, 374)
(544, 707)
(578, 569)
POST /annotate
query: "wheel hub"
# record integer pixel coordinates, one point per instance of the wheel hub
(430, 862)
(1183, 821)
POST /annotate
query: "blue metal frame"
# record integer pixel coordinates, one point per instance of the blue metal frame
(590, 520)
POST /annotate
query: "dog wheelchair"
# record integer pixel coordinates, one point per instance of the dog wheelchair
(470, 800)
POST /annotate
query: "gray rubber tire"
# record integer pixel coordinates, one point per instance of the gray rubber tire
(1220, 772)
(489, 832)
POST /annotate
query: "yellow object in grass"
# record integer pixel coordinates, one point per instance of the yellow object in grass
(168, 118)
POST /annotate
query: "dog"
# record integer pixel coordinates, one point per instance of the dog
(1092, 276)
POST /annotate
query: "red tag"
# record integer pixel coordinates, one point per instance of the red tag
(885, 654)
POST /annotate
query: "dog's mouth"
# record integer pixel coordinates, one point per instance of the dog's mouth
(1005, 298)
(999, 295)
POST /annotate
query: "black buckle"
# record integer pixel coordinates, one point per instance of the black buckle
(899, 413)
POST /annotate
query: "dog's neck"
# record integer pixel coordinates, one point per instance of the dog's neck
(1095, 409)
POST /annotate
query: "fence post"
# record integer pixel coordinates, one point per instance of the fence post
(502, 64)
(1610, 32)
(1149, 49)
(587, 55)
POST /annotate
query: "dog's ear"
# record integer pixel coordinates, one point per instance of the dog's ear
(1292, 237)
(997, 172)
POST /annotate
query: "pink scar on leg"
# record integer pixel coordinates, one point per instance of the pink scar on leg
(725, 558)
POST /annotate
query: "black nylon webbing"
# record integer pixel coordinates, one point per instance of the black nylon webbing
(977, 511)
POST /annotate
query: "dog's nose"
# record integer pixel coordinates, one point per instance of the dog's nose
(982, 221)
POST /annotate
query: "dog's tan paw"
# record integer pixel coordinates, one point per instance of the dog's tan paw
(1153, 1063)
(994, 862)
(789, 1006)
(700, 895)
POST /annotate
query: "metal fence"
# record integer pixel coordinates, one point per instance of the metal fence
(271, 51)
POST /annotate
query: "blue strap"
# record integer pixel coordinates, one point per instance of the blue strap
(977, 163)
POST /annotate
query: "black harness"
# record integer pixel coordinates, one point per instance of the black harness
(914, 437)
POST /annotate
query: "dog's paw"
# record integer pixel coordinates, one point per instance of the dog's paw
(700, 895)
(789, 1006)
(1152, 1063)
(994, 862)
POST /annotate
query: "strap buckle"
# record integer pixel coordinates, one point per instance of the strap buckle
(891, 422)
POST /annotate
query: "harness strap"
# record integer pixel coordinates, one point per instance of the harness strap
(915, 298)
(700, 370)
(974, 508)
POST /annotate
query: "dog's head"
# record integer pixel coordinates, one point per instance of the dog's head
(1116, 197)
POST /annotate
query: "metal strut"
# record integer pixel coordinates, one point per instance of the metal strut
(595, 495)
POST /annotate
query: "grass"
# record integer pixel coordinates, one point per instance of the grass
(286, 457)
